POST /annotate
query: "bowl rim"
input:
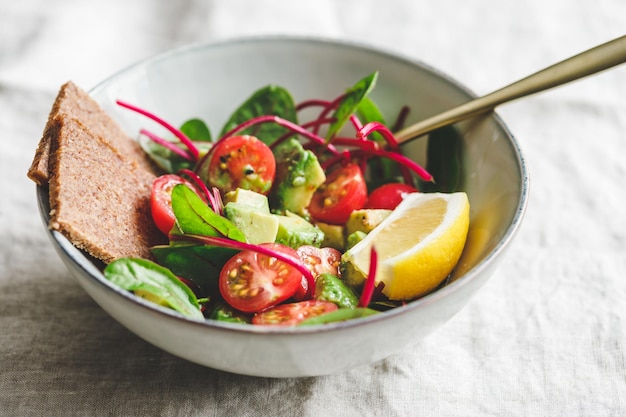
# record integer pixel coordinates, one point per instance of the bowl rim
(89, 269)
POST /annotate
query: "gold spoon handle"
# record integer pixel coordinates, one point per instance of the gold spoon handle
(586, 63)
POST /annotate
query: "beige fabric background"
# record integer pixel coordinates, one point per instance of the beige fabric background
(545, 337)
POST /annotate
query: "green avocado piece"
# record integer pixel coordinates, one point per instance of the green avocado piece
(354, 238)
(257, 226)
(298, 175)
(295, 231)
(333, 235)
(365, 220)
(248, 198)
(329, 287)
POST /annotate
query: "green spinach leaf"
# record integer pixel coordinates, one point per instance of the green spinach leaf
(270, 100)
(155, 283)
(196, 130)
(193, 216)
(200, 264)
(350, 103)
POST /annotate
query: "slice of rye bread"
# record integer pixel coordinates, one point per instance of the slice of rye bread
(74, 102)
(98, 199)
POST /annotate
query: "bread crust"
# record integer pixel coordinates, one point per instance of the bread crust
(72, 101)
(99, 180)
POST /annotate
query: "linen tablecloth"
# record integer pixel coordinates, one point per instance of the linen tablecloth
(546, 336)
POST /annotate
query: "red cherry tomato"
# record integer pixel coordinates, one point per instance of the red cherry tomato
(388, 196)
(239, 162)
(319, 261)
(294, 313)
(252, 282)
(343, 192)
(161, 200)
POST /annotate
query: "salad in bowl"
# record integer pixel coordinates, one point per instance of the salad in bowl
(272, 222)
(262, 219)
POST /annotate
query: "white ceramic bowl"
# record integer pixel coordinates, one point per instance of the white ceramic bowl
(210, 81)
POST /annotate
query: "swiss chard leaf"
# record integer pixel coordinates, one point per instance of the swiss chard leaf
(342, 314)
(444, 160)
(193, 216)
(350, 102)
(198, 263)
(155, 283)
(270, 100)
(196, 130)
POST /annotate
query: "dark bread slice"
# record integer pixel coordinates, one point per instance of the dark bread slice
(98, 199)
(74, 102)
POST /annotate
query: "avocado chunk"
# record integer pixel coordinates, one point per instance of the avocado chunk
(257, 226)
(248, 198)
(333, 235)
(295, 231)
(354, 238)
(298, 175)
(329, 287)
(365, 220)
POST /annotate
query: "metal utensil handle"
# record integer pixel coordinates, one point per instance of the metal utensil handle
(593, 60)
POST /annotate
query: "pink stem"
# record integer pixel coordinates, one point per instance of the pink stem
(403, 161)
(217, 197)
(307, 125)
(166, 144)
(281, 122)
(312, 103)
(368, 287)
(329, 106)
(391, 142)
(356, 123)
(198, 181)
(361, 144)
(401, 119)
(176, 132)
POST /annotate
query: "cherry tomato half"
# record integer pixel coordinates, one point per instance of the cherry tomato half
(161, 200)
(239, 162)
(294, 313)
(319, 261)
(388, 196)
(252, 282)
(343, 192)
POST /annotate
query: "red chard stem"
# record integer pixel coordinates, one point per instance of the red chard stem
(368, 287)
(176, 132)
(166, 144)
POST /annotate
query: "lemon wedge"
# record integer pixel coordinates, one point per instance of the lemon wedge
(417, 245)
